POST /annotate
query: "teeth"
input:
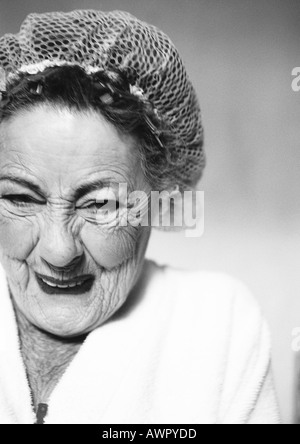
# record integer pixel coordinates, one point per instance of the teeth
(49, 283)
(62, 286)
(72, 285)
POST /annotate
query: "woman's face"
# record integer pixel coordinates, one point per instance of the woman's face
(55, 168)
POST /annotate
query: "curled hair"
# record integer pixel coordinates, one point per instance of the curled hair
(111, 95)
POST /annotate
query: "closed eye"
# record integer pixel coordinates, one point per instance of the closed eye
(21, 199)
(107, 204)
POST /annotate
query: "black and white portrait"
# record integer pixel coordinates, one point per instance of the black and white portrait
(149, 214)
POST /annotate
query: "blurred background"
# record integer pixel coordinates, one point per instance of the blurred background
(240, 55)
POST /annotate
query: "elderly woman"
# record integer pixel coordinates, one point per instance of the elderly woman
(91, 332)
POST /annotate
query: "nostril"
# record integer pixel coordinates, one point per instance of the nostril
(75, 261)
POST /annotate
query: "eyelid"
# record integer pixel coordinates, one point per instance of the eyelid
(102, 201)
(17, 189)
(93, 202)
(14, 196)
(106, 193)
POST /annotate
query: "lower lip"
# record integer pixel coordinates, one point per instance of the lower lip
(78, 290)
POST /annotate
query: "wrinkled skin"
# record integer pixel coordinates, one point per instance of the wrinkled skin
(59, 150)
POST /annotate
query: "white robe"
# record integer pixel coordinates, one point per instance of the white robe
(193, 348)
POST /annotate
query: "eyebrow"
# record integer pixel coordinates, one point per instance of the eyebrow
(81, 191)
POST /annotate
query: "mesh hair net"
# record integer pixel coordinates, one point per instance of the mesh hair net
(115, 40)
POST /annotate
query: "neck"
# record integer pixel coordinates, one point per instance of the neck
(45, 356)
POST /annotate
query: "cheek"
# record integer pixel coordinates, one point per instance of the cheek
(17, 236)
(110, 249)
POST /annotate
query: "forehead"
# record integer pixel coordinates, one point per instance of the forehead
(58, 143)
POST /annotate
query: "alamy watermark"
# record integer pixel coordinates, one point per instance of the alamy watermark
(296, 79)
(176, 209)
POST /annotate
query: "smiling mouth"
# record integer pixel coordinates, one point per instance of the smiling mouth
(78, 285)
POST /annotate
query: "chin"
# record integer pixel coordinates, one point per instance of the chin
(66, 323)
(60, 329)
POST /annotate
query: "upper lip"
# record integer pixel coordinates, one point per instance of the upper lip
(74, 280)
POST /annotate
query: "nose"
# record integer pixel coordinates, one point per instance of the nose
(66, 268)
(59, 248)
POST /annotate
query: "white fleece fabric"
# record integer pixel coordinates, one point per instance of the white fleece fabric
(192, 348)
